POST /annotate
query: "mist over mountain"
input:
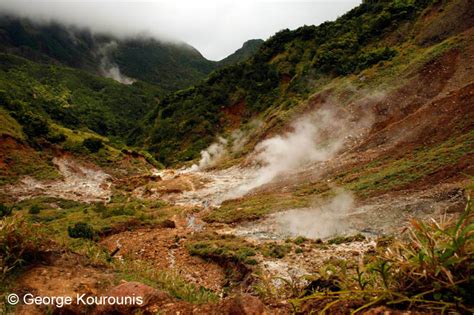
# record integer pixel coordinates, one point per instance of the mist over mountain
(215, 27)
(170, 65)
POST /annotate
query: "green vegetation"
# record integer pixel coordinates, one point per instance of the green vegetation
(395, 173)
(169, 66)
(275, 250)
(34, 209)
(254, 207)
(283, 71)
(27, 162)
(93, 144)
(248, 49)
(36, 94)
(223, 249)
(300, 240)
(429, 270)
(168, 281)
(20, 244)
(5, 210)
(75, 226)
(346, 239)
(9, 126)
(81, 230)
(62, 217)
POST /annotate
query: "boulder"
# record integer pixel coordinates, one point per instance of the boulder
(148, 294)
(244, 305)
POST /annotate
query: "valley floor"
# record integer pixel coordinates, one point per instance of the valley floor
(198, 245)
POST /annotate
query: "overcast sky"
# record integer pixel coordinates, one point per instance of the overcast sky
(215, 27)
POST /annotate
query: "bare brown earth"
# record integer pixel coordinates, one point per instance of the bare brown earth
(165, 249)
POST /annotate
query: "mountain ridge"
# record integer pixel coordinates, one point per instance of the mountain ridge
(170, 65)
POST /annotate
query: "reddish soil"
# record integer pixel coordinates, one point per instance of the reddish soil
(165, 249)
(233, 114)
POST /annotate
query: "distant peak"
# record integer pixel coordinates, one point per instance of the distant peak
(248, 49)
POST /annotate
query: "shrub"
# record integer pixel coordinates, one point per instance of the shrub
(5, 210)
(275, 250)
(20, 243)
(33, 125)
(150, 159)
(34, 209)
(223, 249)
(56, 137)
(100, 207)
(81, 230)
(93, 144)
(117, 211)
(300, 240)
(430, 270)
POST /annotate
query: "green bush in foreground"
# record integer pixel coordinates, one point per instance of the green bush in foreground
(19, 244)
(34, 209)
(5, 210)
(81, 230)
(431, 270)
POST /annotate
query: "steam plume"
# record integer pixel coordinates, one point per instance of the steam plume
(320, 221)
(222, 148)
(212, 155)
(108, 68)
(315, 137)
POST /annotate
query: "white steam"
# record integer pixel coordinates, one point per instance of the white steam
(212, 155)
(222, 148)
(320, 221)
(108, 68)
(314, 138)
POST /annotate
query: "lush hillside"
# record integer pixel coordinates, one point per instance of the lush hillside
(38, 94)
(248, 49)
(287, 68)
(171, 66)
(168, 65)
(48, 111)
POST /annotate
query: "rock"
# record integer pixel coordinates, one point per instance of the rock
(132, 289)
(170, 224)
(243, 305)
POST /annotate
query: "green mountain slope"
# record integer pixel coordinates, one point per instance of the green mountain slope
(171, 66)
(248, 49)
(41, 93)
(286, 70)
